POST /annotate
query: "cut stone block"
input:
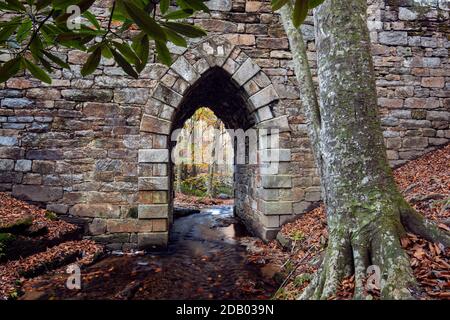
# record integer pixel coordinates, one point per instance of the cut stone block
(153, 240)
(23, 165)
(153, 211)
(155, 125)
(269, 221)
(95, 210)
(97, 226)
(8, 141)
(153, 183)
(219, 5)
(264, 97)
(150, 197)
(129, 225)
(275, 207)
(246, 72)
(37, 193)
(166, 95)
(276, 181)
(279, 123)
(264, 114)
(274, 155)
(6, 164)
(153, 155)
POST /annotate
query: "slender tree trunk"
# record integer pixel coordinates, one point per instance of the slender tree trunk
(192, 135)
(211, 166)
(366, 213)
(178, 179)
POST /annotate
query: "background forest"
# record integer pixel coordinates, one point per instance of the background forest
(203, 157)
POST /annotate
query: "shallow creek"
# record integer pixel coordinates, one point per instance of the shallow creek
(206, 259)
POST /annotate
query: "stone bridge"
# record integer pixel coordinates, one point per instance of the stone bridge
(96, 150)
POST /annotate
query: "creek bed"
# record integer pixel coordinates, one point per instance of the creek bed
(206, 259)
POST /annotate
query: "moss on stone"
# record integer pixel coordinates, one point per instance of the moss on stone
(51, 215)
(5, 239)
(17, 226)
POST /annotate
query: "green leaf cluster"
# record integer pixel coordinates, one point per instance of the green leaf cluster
(36, 36)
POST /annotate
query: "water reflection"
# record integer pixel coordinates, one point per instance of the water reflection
(205, 260)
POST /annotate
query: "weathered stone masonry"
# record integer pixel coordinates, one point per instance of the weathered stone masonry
(97, 148)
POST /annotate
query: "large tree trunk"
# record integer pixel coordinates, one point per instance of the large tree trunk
(366, 213)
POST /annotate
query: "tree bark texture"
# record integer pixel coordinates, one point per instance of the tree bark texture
(366, 213)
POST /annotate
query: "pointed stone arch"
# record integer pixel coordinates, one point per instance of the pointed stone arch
(251, 102)
(195, 62)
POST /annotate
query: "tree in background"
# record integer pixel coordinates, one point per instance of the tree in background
(211, 192)
(203, 145)
(366, 214)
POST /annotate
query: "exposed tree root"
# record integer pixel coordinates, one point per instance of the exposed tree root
(376, 243)
(335, 267)
(418, 224)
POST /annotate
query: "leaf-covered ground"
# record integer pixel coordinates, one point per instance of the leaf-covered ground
(193, 202)
(425, 183)
(41, 242)
(13, 211)
(12, 273)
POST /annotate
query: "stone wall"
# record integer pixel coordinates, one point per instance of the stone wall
(97, 148)
(411, 58)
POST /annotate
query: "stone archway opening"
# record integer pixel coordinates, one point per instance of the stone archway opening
(202, 163)
(217, 74)
(216, 91)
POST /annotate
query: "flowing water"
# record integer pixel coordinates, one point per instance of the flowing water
(205, 260)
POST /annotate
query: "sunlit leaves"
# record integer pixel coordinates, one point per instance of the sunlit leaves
(164, 6)
(24, 30)
(92, 19)
(7, 29)
(141, 45)
(175, 38)
(196, 5)
(126, 51)
(106, 52)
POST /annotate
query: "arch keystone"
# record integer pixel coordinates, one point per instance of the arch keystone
(215, 50)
